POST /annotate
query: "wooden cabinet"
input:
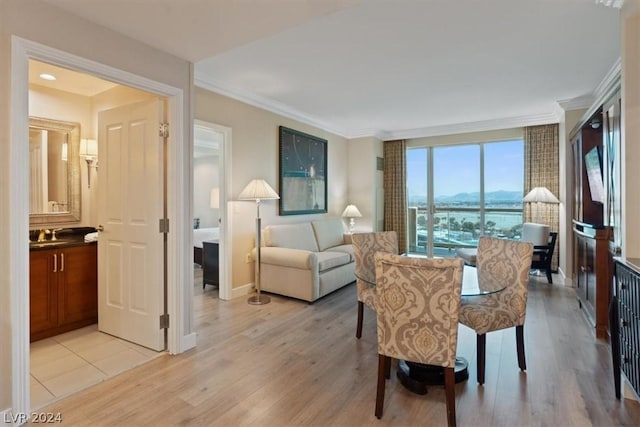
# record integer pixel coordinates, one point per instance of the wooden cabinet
(63, 289)
(593, 274)
(625, 324)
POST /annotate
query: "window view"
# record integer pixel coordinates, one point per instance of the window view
(466, 202)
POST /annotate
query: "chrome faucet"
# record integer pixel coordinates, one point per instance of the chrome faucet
(42, 235)
(53, 233)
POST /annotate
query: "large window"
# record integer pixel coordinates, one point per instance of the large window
(457, 193)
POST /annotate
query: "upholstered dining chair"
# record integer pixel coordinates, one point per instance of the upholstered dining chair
(418, 301)
(507, 262)
(365, 246)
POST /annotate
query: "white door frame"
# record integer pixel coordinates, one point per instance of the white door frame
(180, 336)
(224, 166)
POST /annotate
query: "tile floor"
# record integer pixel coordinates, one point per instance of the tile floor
(70, 362)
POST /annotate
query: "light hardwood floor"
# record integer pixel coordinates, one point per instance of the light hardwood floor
(290, 363)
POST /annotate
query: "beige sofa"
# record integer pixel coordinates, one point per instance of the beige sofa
(306, 260)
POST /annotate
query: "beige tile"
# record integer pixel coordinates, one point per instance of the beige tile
(47, 352)
(73, 381)
(40, 396)
(147, 352)
(56, 367)
(85, 341)
(102, 350)
(120, 362)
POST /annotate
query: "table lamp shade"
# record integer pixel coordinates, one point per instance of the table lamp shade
(351, 211)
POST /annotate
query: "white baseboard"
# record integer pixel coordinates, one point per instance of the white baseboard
(188, 342)
(241, 291)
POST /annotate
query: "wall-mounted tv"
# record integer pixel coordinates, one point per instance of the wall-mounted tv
(593, 166)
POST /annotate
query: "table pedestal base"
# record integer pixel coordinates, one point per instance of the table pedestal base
(416, 376)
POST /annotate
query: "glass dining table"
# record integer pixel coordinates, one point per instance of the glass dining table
(416, 377)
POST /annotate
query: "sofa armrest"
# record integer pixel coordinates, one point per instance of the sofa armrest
(287, 257)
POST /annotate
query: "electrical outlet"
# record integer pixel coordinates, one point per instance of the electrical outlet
(248, 260)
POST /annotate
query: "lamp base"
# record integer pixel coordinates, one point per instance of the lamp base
(259, 300)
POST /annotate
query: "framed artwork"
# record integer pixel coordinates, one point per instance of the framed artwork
(303, 173)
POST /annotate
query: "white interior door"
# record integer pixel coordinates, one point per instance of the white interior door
(131, 203)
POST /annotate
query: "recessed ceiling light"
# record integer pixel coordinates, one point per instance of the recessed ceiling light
(46, 76)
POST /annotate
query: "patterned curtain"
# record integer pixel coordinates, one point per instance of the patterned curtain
(541, 169)
(395, 190)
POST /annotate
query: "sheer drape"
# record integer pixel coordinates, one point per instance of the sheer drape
(395, 190)
(541, 169)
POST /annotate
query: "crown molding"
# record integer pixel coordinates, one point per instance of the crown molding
(611, 3)
(265, 104)
(283, 110)
(479, 126)
(610, 81)
(578, 103)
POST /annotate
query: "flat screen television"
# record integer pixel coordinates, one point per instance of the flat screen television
(593, 166)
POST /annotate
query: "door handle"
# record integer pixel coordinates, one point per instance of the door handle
(100, 228)
(55, 263)
(61, 262)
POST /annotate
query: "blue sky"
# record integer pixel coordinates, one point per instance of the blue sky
(457, 168)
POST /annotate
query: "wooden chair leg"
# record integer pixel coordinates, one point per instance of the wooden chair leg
(359, 324)
(382, 362)
(520, 346)
(450, 394)
(387, 368)
(481, 340)
(549, 278)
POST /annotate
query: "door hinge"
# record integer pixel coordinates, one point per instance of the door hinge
(164, 321)
(164, 225)
(164, 130)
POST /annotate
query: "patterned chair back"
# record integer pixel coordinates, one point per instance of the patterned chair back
(365, 246)
(508, 262)
(417, 308)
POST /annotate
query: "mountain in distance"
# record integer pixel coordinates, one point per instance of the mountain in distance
(492, 196)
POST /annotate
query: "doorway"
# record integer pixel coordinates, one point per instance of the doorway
(180, 337)
(66, 363)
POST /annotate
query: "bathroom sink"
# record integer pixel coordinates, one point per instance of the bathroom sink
(47, 243)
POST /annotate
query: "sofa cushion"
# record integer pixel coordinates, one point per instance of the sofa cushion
(294, 236)
(328, 232)
(347, 249)
(328, 260)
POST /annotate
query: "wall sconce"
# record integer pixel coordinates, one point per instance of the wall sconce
(215, 198)
(89, 150)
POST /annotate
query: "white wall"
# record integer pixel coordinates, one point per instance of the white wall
(206, 172)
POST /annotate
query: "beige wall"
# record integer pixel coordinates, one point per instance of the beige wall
(255, 155)
(39, 22)
(365, 182)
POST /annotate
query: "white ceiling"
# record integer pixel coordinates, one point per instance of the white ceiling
(402, 68)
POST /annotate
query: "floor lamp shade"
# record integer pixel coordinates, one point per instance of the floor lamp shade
(541, 195)
(258, 189)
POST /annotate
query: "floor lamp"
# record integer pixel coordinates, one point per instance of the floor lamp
(258, 190)
(540, 195)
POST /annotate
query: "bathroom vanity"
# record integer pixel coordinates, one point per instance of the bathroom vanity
(63, 278)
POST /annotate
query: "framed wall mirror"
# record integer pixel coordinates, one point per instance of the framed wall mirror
(54, 171)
